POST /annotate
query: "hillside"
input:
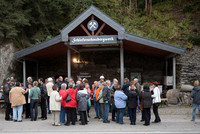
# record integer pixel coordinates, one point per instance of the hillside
(28, 22)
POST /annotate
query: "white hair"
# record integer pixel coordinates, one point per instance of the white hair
(136, 79)
(29, 79)
(108, 82)
(63, 86)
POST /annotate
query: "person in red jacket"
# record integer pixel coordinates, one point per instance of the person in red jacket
(70, 106)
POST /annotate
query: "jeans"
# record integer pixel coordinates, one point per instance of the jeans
(155, 111)
(120, 114)
(34, 105)
(17, 112)
(97, 108)
(8, 111)
(106, 111)
(62, 114)
(48, 104)
(132, 115)
(194, 111)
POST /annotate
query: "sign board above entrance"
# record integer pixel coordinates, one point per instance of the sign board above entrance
(104, 39)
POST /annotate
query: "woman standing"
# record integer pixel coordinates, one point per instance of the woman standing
(17, 100)
(70, 106)
(132, 103)
(82, 99)
(28, 100)
(62, 111)
(87, 88)
(146, 101)
(120, 103)
(156, 101)
(55, 105)
(100, 99)
(34, 95)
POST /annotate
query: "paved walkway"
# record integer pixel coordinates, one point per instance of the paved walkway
(175, 119)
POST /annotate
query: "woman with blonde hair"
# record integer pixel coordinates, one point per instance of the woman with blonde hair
(34, 95)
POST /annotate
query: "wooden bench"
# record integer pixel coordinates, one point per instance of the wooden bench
(164, 101)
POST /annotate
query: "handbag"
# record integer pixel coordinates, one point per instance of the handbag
(38, 95)
(68, 98)
(141, 104)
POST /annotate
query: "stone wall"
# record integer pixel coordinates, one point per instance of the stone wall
(7, 62)
(188, 66)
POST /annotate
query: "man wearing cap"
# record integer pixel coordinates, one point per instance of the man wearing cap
(49, 87)
(101, 80)
(6, 91)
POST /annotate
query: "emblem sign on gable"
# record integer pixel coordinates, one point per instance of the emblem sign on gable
(92, 25)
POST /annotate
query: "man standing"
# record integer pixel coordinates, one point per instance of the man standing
(43, 90)
(49, 87)
(6, 91)
(59, 82)
(195, 94)
(101, 80)
(106, 100)
(96, 103)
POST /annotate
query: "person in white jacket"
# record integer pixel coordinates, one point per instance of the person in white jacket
(156, 101)
(55, 105)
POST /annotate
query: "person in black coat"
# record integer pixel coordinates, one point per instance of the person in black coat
(6, 90)
(43, 99)
(132, 103)
(146, 101)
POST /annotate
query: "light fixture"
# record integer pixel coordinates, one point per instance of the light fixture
(75, 60)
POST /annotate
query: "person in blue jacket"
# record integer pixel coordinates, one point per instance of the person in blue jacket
(120, 103)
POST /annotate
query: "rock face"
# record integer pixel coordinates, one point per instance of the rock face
(186, 88)
(188, 66)
(6, 60)
(173, 96)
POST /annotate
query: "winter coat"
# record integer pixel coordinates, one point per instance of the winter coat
(55, 99)
(132, 98)
(145, 99)
(16, 96)
(106, 94)
(112, 91)
(73, 102)
(6, 90)
(61, 93)
(120, 99)
(34, 94)
(156, 95)
(125, 87)
(43, 90)
(89, 93)
(97, 92)
(49, 87)
(82, 100)
(195, 94)
(100, 97)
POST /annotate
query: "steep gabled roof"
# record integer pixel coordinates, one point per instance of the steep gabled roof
(154, 43)
(92, 10)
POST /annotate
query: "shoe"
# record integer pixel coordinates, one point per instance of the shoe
(44, 118)
(134, 123)
(96, 117)
(192, 120)
(141, 120)
(66, 124)
(40, 117)
(15, 120)
(49, 112)
(9, 120)
(106, 121)
(53, 124)
(113, 120)
(156, 122)
(73, 123)
(58, 124)
(20, 121)
(31, 120)
(34, 119)
(131, 123)
(146, 124)
(81, 124)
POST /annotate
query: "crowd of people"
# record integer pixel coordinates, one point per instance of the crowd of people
(65, 100)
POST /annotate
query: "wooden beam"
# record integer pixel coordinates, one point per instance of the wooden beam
(86, 31)
(100, 29)
(92, 19)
